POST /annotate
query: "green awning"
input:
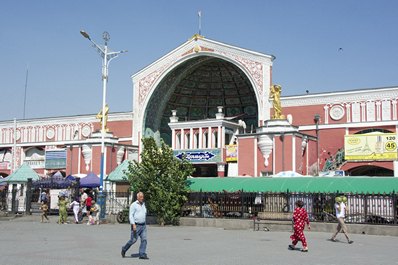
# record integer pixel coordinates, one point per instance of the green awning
(119, 175)
(296, 184)
(22, 174)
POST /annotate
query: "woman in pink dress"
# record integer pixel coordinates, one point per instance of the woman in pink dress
(300, 219)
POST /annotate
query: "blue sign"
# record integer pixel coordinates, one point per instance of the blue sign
(200, 156)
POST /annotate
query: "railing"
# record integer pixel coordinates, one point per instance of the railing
(361, 208)
(117, 201)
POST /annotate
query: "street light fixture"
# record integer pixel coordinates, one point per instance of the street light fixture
(107, 57)
(317, 118)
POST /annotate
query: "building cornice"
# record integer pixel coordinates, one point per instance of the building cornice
(340, 97)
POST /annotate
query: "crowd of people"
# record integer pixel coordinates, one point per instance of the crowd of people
(82, 206)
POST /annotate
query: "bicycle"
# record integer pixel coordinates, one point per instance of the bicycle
(123, 216)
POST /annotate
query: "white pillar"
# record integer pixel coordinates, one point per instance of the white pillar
(209, 136)
(294, 153)
(200, 144)
(223, 137)
(173, 138)
(191, 136)
(182, 139)
(219, 137)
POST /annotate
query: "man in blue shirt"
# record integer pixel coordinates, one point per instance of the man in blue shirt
(137, 217)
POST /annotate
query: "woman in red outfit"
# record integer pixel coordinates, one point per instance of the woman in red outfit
(300, 219)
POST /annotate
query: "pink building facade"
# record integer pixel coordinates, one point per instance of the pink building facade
(210, 102)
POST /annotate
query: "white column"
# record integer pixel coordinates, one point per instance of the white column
(209, 136)
(200, 144)
(79, 161)
(294, 153)
(223, 137)
(378, 111)
(326, 109)
(191, 136)
(363, 111)
(219, 137)
(348, 111)
(394, 109)
(182, 139)
(173, 138)
(255, 157)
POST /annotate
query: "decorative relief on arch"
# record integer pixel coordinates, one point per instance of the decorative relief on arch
(145, 84)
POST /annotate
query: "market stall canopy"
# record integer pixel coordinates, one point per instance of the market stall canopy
(70, 178)
(296, 184)
(90, 181)
(22, 174)
(119, 174)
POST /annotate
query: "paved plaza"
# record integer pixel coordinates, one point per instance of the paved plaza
(27, 241)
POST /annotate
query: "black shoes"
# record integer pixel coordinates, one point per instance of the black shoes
(291, 247)
(123, 253)
(143, 257)
(350, 242)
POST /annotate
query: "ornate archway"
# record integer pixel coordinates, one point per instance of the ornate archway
(195, 89)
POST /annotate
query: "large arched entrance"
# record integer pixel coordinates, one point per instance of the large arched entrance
(195, 88)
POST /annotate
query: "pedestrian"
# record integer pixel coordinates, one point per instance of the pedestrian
(43, 197)
(75, 205)
(137, 217)
(44, 210)
(340, 206)
(83, 198)
(63, 214)
(300, 219)
(88, 204)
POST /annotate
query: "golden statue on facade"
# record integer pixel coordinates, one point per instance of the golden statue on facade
(103, 118)
(275, 95)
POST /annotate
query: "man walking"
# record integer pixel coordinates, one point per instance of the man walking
(340, 214)
(137, 217)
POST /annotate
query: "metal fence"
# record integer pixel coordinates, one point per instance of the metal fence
(361, 208)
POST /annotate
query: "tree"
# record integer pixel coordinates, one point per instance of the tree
(162, 178)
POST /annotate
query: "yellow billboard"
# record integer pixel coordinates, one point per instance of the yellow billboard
(231, 153)
(380, 146)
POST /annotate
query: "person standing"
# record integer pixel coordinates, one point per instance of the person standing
(300, 219)
(75, 205)
(44, 210)
(63, 214)
(137, 217)
(340, 207)
(88, 203)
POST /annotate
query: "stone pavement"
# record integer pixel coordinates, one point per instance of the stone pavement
(27, 241)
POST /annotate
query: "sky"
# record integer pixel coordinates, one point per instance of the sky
(319, 46)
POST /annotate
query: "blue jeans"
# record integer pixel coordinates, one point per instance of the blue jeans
(140, 232)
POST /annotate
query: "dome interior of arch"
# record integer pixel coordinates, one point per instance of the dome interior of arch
(195, 89)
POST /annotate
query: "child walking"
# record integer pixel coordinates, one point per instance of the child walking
(300, 219)
(44, 210)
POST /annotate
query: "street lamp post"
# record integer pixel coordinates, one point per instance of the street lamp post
(107, 57)
(317, 117)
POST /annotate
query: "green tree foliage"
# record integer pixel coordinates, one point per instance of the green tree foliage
(162, 178)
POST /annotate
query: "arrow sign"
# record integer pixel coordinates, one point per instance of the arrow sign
(200, 156)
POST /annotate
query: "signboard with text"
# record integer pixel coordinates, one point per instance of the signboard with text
(199, 155)
(380, 146)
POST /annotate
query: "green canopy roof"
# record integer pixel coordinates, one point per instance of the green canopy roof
(22, 174)
(296, 184)
(119, 175)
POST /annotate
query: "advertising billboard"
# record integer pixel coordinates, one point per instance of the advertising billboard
(380, 146)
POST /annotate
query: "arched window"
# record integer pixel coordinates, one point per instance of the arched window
(373, 130)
